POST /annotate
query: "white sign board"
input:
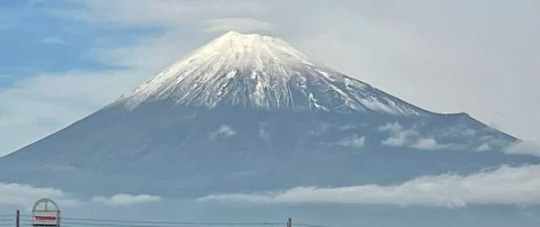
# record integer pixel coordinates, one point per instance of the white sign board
(46, 218)
(45, 213)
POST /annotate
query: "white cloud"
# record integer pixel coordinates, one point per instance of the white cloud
(394, 127)
(222, 131)
(22, 195)
(126, 199)
(168, 14)
(483, 147)
(503, 186)
(401, 137)
(524, 148)
(54, 40)
(25, 195)
(245, 25)
(353, 141)
(428, 144)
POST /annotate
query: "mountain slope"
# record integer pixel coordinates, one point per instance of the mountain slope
(249, 113)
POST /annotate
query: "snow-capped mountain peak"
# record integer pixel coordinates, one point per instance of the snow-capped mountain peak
(262, 72)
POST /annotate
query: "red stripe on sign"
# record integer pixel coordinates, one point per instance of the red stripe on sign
(45, 218)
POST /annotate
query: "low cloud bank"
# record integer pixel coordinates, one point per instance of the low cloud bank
(25, 195)
(523, 148)
(22, 195)
(503, 186)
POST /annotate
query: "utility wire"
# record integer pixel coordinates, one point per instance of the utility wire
(74, 222)
(169, 225)
(308, 225)
(153, 223)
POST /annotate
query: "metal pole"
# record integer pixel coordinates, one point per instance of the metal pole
(18, 219)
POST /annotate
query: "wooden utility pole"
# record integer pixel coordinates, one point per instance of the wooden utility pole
(18, 218)
(289, 222)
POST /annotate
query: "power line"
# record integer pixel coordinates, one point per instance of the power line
(143, 224)
(75, 222)
(308, 225)
(154, 223)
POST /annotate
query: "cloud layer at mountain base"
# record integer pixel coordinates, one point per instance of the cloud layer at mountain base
(503, 186)
(22, 195)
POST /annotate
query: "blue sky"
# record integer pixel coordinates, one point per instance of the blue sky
(62, 60)
(33, 41)
(36, 38)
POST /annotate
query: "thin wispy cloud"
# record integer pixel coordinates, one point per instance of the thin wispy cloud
(53, 40)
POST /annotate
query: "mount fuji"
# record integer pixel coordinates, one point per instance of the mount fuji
(250, 113)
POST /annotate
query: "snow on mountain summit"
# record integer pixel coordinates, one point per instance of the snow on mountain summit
(262, 72)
